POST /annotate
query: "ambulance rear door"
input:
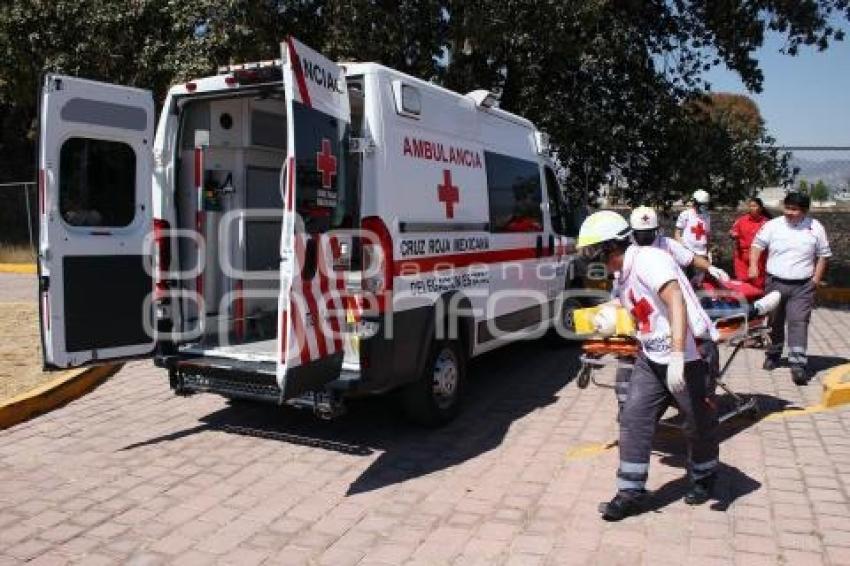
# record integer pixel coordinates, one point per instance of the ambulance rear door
(94, 165)
(311, 312)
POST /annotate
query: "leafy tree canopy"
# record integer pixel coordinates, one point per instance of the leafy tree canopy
(619, 84)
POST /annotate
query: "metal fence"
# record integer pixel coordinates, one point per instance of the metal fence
(18, 215)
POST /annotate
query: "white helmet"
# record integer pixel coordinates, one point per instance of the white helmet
(701, 197)
(602, 226)
(643, 218)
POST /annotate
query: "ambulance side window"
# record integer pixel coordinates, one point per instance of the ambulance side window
(97, 183)
(513, 187)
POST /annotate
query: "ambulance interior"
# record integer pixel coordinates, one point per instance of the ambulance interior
(242, 141)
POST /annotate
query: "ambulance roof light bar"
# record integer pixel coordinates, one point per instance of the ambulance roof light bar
(227, 69)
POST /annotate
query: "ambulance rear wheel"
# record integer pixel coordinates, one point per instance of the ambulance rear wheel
(434, 399)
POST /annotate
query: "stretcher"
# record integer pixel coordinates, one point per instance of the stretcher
(738, 331)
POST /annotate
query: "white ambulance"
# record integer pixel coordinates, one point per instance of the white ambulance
(296, 231)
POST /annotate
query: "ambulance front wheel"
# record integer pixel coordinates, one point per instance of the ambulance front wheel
(434, 399)
(565, 325)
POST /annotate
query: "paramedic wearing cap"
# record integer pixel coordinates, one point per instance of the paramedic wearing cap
(644, 224)
(797, 251)
(668, 368)
(693, 227)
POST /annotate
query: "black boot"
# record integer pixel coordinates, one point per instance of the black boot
(700, 490)
(626, 503)
(770, 363)
(799, 375)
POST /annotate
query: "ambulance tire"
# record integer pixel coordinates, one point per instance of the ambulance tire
(435, 398)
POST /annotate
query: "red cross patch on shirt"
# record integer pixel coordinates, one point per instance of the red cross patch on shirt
(641, 311)
(699, 231)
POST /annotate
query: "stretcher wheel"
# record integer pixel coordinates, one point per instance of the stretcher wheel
(584, 377)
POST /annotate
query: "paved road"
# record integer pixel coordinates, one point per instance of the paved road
(16, 288)
(132, 474)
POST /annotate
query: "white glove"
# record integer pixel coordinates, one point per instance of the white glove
(605, 321)
(768, 303)
(676, 372)
(718, 273)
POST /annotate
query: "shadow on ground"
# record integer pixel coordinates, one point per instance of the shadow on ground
(504, 386)
(732, 482)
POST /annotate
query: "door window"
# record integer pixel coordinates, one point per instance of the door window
(563, 221)
(97, 183)
(513, 187)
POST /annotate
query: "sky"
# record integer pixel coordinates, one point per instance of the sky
(805, 99)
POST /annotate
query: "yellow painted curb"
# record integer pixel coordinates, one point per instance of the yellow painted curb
(836, 386)
(53, 394)
(17, 268)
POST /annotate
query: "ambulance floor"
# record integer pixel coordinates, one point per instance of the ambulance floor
(260, 350)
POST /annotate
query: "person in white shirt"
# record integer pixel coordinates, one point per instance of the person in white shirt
(693, 226)
(668, 369)
(645, 232)
(797, 254)
(644, 223)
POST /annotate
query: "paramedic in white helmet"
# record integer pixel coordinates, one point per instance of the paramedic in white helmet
(668, 368)
(693, 227)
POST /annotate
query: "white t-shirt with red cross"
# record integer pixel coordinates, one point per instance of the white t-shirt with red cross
(696, 229)
(680, 254)
(646, 270)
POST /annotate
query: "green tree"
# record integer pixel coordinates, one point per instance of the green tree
(819, 191)
(803, 187)
(614, 83)
(609, 80)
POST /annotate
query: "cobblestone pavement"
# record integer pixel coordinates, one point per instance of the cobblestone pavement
(132, 474)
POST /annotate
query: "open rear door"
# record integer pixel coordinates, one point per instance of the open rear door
(94, 212)
(310, 304)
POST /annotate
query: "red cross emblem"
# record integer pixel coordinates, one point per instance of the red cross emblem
(645, 218)
(699, 231)
(326, 164)
(448, 194)
(641, 310)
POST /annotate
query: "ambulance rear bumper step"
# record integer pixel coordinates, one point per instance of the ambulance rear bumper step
(237, 389)
(255, 381)
(231, 378)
